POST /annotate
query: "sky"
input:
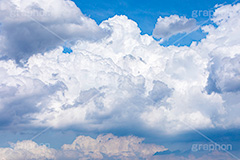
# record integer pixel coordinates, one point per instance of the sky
(119, 80)
(147, 13)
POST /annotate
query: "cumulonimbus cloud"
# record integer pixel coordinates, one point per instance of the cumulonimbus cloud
(128, 79)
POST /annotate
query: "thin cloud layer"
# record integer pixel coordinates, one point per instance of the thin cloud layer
(172, 25)
(29, 27)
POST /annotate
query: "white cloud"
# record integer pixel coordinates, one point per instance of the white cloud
(172, 25)
(118, 147)
(127, 79)
(27, 150)
(124, 80)
(84, 147)
(29, 27)
(222, 44)
(103, 147)
(225, 74)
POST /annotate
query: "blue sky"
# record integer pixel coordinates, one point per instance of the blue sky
(146, 13)
(123, 77)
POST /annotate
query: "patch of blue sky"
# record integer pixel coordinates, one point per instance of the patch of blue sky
(67, 50)
(146, 13)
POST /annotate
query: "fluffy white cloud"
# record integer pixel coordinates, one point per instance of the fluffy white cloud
(222, 44)
(29, 27)
(27, 150)
(116, 147)
(104, 146)
(172, 25)
(128, 79)
(112, 83)
(225, 74)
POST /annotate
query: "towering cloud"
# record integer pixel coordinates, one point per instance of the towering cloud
(122, 80)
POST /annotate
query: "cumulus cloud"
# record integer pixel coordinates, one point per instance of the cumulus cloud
(114, 83)
(103, 147)
(172, 25)
(24, 96)
(224, 75)
(127, 80)
(84, 147)
(27, 150)
(116, 147)
(222, 43)
(30, 27)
